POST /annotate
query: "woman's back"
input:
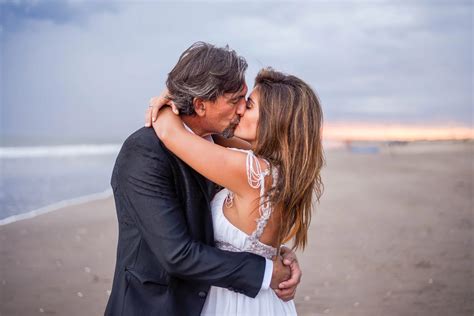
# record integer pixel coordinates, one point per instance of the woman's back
(244, 211)
(240, 226)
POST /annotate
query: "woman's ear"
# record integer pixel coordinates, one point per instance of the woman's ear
(199, 106)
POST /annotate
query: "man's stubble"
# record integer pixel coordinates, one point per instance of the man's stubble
(228, 132)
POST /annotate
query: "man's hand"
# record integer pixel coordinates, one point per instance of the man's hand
(280, 273)
(287, 289)
(155, 104)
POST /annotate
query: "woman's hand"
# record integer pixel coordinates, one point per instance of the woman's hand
(166, 123)
(155, 104)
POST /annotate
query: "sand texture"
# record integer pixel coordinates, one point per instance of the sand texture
(393, 235)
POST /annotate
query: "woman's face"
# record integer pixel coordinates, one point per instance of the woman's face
(247, 128)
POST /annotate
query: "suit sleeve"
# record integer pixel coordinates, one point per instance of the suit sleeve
(146, 185)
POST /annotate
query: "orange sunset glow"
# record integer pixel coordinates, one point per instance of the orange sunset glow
(391, 132)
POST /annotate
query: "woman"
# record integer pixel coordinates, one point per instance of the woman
(268, 186)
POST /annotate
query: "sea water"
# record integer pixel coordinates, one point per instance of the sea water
(33, 178)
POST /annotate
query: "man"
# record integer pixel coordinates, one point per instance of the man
(166, 261)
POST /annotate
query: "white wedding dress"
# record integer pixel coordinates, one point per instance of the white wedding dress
(221, 301)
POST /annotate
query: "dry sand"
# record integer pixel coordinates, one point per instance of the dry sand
(393, 235)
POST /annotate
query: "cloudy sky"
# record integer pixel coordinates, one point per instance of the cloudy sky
(83, 71)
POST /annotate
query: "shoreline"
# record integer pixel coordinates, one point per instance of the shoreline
(350, 146)
(83, 199)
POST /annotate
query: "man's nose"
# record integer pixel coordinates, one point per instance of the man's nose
(241, 108)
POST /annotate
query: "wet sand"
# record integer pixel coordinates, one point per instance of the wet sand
(393, 235)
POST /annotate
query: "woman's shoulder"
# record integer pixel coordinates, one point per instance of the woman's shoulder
(258, 169)
(241, 150)
(259, 164)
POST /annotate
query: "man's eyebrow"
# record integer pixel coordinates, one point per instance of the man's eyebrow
(234, 98)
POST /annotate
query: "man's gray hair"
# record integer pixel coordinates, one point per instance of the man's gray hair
(207, 72)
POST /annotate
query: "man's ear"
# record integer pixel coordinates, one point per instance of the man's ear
(199, 106)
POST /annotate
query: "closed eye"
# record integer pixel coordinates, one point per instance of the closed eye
(248, 105)
(236, 100)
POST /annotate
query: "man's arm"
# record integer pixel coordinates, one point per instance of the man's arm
(145, 182)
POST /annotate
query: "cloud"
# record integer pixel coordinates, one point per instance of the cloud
(408, 62)
(14, 14)
(370, 61)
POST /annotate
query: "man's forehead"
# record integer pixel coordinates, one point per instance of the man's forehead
(242, 92)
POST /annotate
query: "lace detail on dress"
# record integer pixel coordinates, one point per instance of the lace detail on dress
(258, 248)
(256, 179)
(226, 246)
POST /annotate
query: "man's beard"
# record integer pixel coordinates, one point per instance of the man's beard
(228, 132)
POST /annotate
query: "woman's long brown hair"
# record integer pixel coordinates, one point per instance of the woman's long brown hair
(289, 137)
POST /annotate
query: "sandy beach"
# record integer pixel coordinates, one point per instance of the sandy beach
(393, 235)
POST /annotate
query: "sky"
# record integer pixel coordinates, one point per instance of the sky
(84, 70)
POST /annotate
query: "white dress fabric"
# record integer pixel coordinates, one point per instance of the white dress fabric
(221, 301)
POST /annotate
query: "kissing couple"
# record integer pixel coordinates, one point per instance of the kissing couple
(207, 198)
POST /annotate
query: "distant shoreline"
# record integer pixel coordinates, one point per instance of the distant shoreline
(13, 152)
(332, 131)
(352, 146)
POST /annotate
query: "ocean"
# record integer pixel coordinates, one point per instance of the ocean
(36, 180)
(40, 179)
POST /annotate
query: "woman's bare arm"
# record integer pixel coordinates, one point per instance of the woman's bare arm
(233, 142)
(156, 103)
(221, 165)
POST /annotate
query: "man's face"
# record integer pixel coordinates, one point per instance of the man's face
(223, 115)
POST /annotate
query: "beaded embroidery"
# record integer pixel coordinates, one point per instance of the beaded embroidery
(256, 179)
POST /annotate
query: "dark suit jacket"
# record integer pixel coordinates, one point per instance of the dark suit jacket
(166, 261)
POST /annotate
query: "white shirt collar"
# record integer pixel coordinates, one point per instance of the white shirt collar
(208, 137)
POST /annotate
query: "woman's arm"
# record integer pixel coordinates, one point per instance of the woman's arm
(144, 191)
(223, 166)
(156, 103)
(233, 142)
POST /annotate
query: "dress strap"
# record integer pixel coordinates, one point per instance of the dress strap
(256, 179)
